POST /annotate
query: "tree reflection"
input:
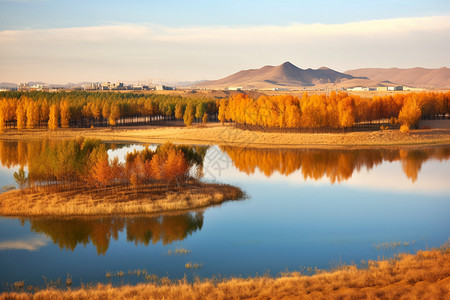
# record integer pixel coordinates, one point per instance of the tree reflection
(336, 165)
(67, 233)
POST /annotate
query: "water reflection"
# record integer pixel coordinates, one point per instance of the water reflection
(336, 165)
(67, 233)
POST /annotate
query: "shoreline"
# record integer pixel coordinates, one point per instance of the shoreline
(228, 135)
(423, 275)
(122, 201)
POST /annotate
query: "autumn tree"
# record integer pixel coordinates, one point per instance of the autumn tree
(53, 120)
(222, 110)
(32, 111)
(114, 114)
(21, 116)
(178, 111)
(199, 110)
(205, 118)
(189, 114)
(410, 113)
(65, 113)
(106, 110)
(3, 112)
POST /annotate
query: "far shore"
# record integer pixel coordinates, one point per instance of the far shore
(227, 134)
(122, 200)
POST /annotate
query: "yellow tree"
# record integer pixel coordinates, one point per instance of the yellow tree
(189, 114)
(178, 111)
(44, 111)
(32, 109)
(20, 116)
(222, 110)
(65, 113)
(410, 113)
(346, 109)
(106, 110)
(114, 114)
(205, 118)
(3, 112)
(53, 121)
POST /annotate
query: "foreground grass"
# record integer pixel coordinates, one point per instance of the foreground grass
(145, 199)
(425, 275)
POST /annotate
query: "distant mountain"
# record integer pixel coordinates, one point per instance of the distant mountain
(285, 75)
(8, 85)
(415, 77)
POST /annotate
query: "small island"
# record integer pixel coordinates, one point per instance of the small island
(76, 178)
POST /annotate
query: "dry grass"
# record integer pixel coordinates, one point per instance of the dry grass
(117, 200)
(229, 135)
(425, 275)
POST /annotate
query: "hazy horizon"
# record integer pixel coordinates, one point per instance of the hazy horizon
(74, 41)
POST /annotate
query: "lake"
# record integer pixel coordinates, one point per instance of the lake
(303, 209)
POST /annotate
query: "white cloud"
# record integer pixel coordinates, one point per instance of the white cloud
(31, 244)
(140, 51)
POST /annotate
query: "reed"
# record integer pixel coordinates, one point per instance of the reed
(425, 275)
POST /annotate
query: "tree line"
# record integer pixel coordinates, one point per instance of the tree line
(337, 110)
(83, 109)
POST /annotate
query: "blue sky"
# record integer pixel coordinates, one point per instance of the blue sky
(182, 40)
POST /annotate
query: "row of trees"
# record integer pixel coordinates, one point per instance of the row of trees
(336, 165)
(67, 109)
(338, 110)
(85, 161)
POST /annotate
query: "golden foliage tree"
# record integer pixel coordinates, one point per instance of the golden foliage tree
(188, 116)
(179, 111)
(114, 114)
(410, 113)
(65, 113)
(53, 121)
(21, 116)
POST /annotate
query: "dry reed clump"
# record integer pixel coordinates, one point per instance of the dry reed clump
(425, 275)
(114, 199)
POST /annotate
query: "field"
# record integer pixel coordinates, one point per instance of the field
(229, 135)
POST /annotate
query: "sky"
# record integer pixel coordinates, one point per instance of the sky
(61, 41)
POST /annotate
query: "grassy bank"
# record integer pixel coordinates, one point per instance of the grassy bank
(425, 275)
(229, 135)
(114, 200)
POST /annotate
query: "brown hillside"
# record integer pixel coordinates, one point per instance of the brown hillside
(416, 77)
(282, 76)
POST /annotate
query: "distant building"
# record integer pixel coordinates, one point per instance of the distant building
(235, 88)
(359, 89)
(163, 88)
(36, 87)
(92, 86)
(382, 88)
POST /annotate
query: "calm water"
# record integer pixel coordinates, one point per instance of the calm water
(304, 208)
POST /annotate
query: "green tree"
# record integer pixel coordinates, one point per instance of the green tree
(21, 178)
(199, 111)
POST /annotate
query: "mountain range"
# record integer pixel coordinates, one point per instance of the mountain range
(415, 77)
(288, 75)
